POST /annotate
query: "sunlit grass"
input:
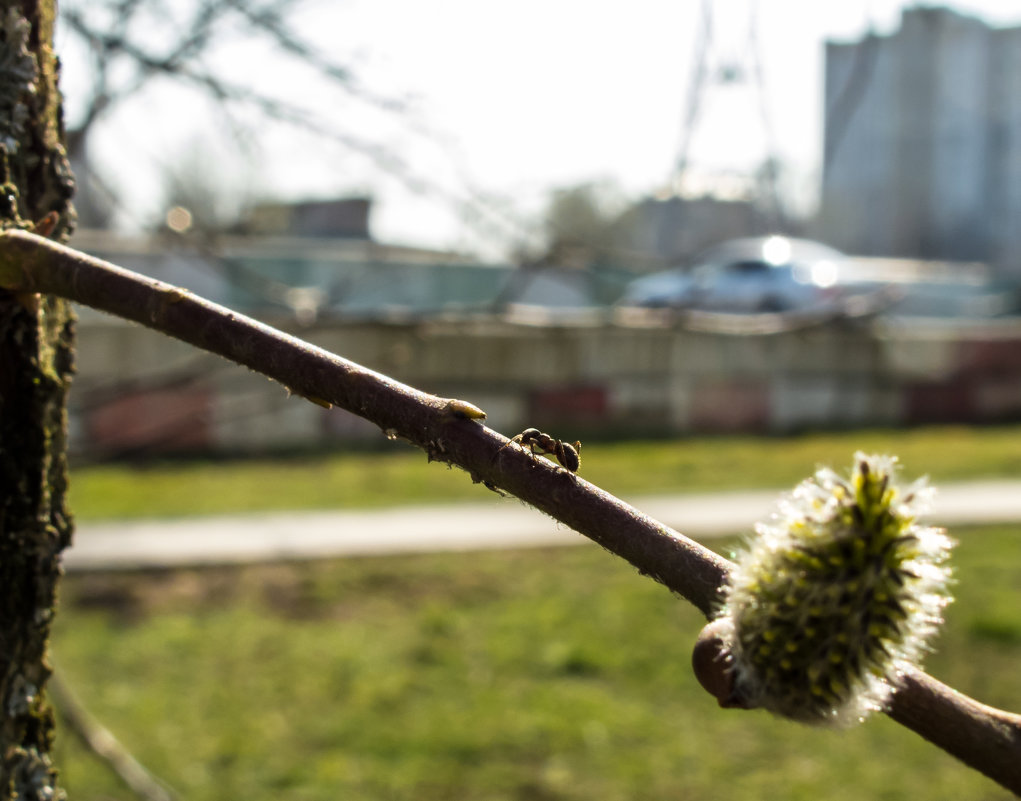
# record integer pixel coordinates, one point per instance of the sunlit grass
(549, 674)
(402, 475)
(555, 674)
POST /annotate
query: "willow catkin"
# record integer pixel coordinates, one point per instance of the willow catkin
(841, 590)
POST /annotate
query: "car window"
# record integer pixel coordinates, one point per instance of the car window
(748, 267)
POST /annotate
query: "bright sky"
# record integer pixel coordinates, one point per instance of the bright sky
(510, 100)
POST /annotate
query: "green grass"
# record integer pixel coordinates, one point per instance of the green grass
(552, 674)
(402, 476)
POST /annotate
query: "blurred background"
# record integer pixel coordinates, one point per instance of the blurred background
(720, 241)
(536, 209)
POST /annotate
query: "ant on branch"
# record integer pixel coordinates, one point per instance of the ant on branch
(543, 444)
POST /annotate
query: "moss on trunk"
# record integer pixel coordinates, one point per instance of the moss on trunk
(36, 358)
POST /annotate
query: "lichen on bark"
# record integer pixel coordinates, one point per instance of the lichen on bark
(36, 362)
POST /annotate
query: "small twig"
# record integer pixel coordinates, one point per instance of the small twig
(987, 739)
(103, 744)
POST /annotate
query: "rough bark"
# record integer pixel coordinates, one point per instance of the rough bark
(35, 366)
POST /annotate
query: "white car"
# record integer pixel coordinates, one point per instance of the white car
(759, 274)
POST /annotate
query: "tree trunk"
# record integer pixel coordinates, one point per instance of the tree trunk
(36, 336)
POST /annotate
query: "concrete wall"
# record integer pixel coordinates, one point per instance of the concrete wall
(138, 391)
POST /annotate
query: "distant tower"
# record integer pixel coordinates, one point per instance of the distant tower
(728, 67)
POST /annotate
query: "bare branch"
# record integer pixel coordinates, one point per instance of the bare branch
(984, 738)
(106, 45)
(182, 63)
(104, 745)
(29, 263)
(270, 20)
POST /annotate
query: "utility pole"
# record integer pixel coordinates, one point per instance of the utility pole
(725, 64)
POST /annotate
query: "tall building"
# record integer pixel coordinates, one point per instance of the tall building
(922, 154)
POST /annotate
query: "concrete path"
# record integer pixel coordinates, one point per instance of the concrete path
(495, 523)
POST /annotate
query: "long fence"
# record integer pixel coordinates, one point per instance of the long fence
(139, 392)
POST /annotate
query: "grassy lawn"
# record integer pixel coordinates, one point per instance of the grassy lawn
(553, 674)
(402, 475)
(536, 674)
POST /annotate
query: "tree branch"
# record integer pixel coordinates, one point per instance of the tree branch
(984, 738)
(29, 263)
(103, 744)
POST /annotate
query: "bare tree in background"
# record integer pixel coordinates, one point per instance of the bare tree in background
(580, 225)
(126, 57)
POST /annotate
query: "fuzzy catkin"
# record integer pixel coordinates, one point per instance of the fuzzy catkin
(839, 592)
